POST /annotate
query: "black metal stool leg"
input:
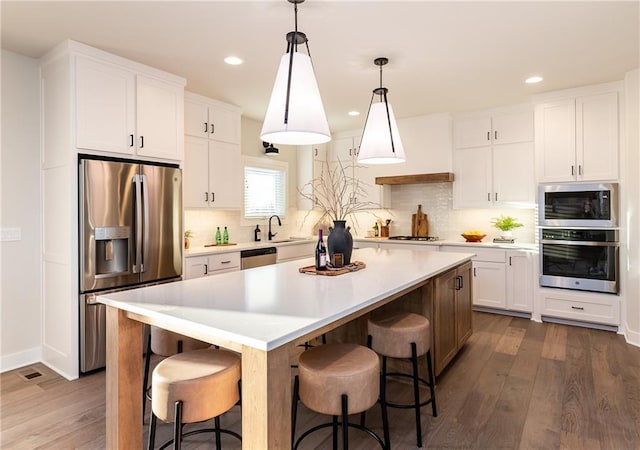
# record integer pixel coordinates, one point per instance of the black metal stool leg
(416, 392)
(145, 380)
(152, 431)
(334, 434)
(345, 422)
(177, 427)
(432, 384)
(294, 409)
(216, 422)
(383, 406)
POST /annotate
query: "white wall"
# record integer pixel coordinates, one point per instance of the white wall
(20, 299)
(632, 194)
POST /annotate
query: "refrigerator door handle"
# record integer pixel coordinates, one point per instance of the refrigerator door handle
(137, 265)
(145, 226)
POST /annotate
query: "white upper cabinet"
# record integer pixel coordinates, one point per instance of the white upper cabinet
(577, 136)
(493, 160)
(211, 119)
(121, 110)
(505, 128)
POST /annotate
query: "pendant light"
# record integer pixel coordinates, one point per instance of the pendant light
(380, 143)
(295, 115)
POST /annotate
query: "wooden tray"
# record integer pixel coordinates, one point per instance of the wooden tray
(354, 266)
(220, 245)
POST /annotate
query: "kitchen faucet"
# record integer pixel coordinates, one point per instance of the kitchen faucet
(271, 235)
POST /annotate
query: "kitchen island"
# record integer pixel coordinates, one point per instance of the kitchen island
(262, 313)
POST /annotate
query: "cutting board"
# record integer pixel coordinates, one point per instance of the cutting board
(419, 224)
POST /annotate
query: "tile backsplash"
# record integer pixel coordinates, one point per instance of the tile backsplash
(436, 200)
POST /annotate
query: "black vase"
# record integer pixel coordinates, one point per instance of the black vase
(340, 241)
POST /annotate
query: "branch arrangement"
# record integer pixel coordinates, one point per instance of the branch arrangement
(336, 193)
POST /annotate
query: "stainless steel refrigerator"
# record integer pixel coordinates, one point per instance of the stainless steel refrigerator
(130, 236)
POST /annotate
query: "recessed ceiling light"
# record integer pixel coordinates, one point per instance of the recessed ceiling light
(532, 80)
(354, 113)
(233, 60)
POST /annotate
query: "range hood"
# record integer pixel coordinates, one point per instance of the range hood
(442, 177)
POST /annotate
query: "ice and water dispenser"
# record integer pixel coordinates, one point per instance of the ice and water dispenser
(112, 250)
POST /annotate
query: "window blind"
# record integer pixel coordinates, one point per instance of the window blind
(265, 192)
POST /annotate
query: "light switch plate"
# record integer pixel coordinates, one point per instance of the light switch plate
(10, 234)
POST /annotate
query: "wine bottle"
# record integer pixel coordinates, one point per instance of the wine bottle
(225, 236)
(256, 234)
(321, 253)
(218, 236)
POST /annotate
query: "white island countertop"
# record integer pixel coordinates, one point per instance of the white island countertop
(269, 306)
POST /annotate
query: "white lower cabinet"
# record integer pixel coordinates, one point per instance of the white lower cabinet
(502, 279)
(205, 265)
(580, 306)
(295, 251)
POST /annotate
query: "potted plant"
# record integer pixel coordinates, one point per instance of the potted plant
(336, 194)
(187, 236)
(506, 224)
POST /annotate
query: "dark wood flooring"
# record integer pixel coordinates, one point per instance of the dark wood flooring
(516, 384)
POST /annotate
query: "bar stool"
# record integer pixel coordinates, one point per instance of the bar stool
(404, 335)
(164, 343)
(338, 380)
(193, 387)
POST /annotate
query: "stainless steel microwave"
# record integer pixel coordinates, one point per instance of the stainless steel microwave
(592, 205)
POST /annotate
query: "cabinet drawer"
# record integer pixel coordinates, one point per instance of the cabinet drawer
(599, 310)
(224, 261)
(482, 254)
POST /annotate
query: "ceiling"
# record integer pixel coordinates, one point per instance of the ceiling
(444, 56)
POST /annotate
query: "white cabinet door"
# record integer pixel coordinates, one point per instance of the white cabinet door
(195, 186)
(556, 141)
(160, 118)
(195, 267)
(224, 125)
(513, 175)
(369, 190)
(472, 187)
(343, 150)
(519, 281)
(196, 119)
(210, 119)
(597, 137)
(489, 284)
(511, 128)
(225, 175)
(105, 107)
(472, 132)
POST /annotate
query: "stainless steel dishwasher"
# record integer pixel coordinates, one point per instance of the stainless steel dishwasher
(258, 257)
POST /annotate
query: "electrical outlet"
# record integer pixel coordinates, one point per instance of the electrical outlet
(10, 234)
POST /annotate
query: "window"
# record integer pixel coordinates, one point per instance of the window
(265, 188)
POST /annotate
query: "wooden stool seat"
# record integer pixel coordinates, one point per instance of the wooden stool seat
(338, 380)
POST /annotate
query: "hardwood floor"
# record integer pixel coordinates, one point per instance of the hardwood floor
(516, 384)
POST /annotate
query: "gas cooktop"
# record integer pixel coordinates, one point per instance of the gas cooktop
(414, 238)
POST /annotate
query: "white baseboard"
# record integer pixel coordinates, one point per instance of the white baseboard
(20, 359)
(632, 337)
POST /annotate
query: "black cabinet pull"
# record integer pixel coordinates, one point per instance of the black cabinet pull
(579, 169)
(459, 283)
(488, 135)
(474, 272)
(510, 261)
(206, 127)
(206, 269)
(496, 196)
(141, 141)
(572, 171)
(206, 196)
(131, 144)
(213, 196)
(579, 308)
(495, 135)
(213, 128)
(488, 196)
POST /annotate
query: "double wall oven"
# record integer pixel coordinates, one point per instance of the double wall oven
(579, 236)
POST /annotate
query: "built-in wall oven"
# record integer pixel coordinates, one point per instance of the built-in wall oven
(583, 259)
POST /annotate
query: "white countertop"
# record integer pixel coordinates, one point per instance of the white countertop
(461, 242)
(202, 250)
(269, 306)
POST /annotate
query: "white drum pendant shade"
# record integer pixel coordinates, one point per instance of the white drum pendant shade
(307, 123)
(375, 147)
